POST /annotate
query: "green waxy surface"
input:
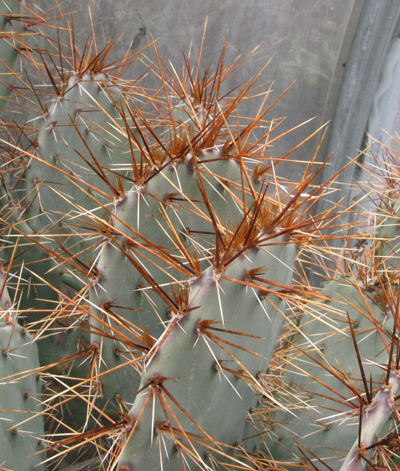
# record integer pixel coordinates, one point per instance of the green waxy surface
(142, 217)
(186, 362)
(319, 422)
(124, 252)
(83, 114)
(8, 47)
(19, 402)
(59, 182)
(21, 422)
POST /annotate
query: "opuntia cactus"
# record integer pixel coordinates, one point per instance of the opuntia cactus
(21, 419)
(11, 28)
(152, 251)
(340, 382)
(171, 255)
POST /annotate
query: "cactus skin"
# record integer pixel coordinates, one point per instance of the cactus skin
(318, 426)
(379, 413)
(42, 207)
(139, 217)
(323, 376)
(57, 161)
(184, 194)
(20, 393)
(80, 116)
(8, 47)
(144, 217)
(195, 383)
(199, 191)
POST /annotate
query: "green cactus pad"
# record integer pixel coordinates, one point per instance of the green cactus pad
(21, 421)
(9, 26)
(317, 381)
(206, 375)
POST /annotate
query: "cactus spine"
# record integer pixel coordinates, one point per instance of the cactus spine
(11, 29)
(21, 421)
(341, 378)
(152, 251)
(169, 255)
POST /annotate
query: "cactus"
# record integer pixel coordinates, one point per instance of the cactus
(42, 205)
(21, 420)
(153, 254)
(321, 385)
(11, 29)
(171, 257)
(340, 382)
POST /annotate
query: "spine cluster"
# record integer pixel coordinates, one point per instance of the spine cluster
(158, 266)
